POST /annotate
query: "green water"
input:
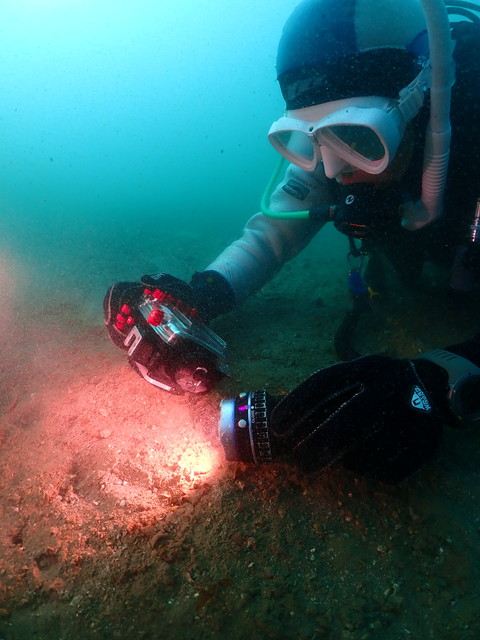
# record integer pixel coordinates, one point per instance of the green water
(124, 123)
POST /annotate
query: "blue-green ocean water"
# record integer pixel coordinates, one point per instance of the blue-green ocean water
(124, 124)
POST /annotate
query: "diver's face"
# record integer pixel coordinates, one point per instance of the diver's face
(337, 169)
(354, 176)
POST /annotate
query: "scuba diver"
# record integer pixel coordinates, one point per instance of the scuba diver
(382, 136)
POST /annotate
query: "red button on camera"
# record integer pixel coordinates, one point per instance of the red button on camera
(155, 317)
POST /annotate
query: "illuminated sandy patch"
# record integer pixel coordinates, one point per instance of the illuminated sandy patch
(89, 449)
(130, 446)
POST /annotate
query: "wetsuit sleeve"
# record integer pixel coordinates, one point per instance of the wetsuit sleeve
(267, 243)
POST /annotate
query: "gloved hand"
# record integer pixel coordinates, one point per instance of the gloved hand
(378, 415)
(165, 351)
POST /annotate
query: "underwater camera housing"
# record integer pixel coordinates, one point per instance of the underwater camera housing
(244, 427)
(175, 350)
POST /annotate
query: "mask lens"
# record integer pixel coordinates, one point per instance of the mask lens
(296, 146)
(363, 141)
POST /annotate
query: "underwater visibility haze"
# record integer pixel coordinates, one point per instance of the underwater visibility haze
(116, 111)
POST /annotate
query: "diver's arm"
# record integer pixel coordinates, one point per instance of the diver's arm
(267, 243)
(378, 415)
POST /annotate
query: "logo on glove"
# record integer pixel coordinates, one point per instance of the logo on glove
(419, 400)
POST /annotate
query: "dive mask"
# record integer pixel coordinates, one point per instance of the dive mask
(365, 132)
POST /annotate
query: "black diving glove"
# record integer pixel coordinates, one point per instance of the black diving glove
(161, 323)
(377, 415)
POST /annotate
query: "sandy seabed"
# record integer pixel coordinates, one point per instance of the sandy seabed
(121, 519)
